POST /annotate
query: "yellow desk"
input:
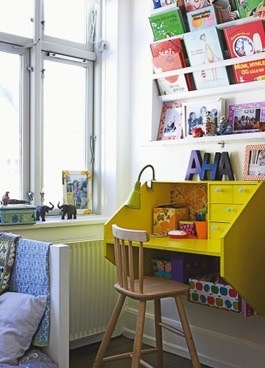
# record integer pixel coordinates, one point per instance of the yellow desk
(240, 246)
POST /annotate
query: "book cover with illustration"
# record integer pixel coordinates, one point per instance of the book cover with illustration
(247, 8)
(174, 84)
(161, 3)
(168, 55)
(242, 40)
(167, 23)
(201, 18)
(203, 48)
(225, 10)
(191, 5)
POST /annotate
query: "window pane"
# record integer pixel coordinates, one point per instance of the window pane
(15, 17)
(10, 159)
(64, 125)
(65, 19)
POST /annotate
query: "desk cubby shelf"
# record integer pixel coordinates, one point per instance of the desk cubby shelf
(235, 231)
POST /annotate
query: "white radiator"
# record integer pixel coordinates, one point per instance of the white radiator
(92, 296)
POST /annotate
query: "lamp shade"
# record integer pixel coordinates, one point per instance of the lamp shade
(134, 199)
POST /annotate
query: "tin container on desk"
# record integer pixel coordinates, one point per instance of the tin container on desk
(167, 217)
(17, 214)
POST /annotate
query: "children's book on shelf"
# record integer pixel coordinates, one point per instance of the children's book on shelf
(171, 121)
(167, 47)
(191, 5)
(242, 40)
(174, 84)
(203, 48)
(201, 18)
(247, 8)
(167, 23)
(169, 54)
(225, 10)
(161, 3)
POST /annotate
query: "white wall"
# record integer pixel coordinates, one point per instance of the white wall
(224, 339)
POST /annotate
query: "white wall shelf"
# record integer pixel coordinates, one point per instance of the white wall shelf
(220, 139)
(218, 91)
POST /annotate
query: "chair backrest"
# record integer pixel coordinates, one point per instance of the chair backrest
(128, 248)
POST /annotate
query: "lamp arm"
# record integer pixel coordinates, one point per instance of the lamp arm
(145, 167)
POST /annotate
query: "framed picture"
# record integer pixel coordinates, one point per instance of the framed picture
(194, 113)
(246, 118)
(77, 190)
(171, 121)
(254, 166)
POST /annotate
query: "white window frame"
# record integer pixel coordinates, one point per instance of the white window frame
(20, 49)
(34, 52)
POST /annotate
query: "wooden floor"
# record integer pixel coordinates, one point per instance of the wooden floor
(84, 357)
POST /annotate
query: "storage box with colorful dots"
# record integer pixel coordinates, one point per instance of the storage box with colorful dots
(215, 294)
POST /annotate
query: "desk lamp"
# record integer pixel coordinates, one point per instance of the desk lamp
(134, 199)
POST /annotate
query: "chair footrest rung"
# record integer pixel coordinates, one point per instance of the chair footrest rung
(117, 357)
(145, 364)
(172, 329)
(128, 355)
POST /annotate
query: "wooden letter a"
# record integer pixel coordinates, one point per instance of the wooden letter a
(225, 167)
(195, 164)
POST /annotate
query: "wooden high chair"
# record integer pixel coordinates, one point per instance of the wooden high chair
(143, 289)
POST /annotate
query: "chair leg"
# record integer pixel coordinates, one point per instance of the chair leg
(137, 347)
(187, 333)
(108, 333)
(158, 333)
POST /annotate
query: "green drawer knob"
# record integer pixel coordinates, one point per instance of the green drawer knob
(229, 209)
(217, 190)
(240, 190)
(214, 227)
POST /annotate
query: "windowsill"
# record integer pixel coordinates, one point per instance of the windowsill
(56, 221)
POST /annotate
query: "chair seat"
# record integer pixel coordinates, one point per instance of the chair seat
(154, 288)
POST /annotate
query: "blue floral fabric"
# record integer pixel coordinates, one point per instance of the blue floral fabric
(30, 275)
(34, 358)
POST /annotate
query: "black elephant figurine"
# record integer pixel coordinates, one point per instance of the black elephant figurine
(67, 209)
(42, 210)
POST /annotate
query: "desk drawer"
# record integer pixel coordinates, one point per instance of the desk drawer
(216, 229)
(223, 212)
(221, 193)
(242, 193)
